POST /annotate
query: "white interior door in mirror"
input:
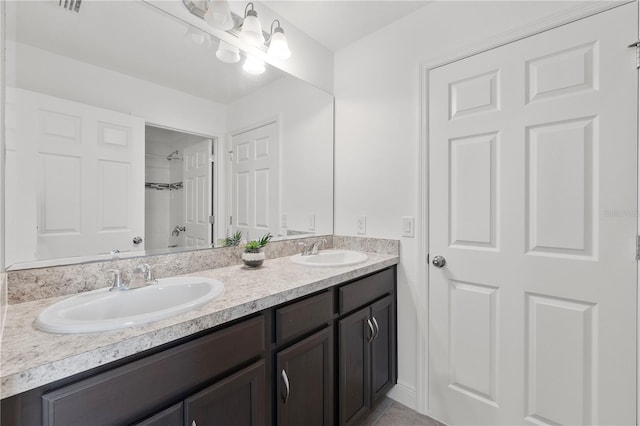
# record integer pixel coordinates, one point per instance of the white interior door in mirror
(84, 167)
(197, 184)
(256, 181)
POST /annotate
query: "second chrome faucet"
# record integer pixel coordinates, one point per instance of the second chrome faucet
(313, 248)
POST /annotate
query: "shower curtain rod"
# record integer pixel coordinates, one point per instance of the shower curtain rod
(163, 186)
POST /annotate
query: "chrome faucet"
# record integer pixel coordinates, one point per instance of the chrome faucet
(177, 230)
(313, 248)
(118, 282)
(146, 271)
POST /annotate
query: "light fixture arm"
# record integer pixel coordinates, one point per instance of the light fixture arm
(277, 29)
(274, 21)
(248, 12)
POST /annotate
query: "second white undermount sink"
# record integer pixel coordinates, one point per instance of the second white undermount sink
(103, 310)
(330, 258)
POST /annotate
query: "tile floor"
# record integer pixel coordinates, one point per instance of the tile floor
(391, 413)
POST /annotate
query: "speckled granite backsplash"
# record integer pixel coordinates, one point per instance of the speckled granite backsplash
(42, 283)
(371, 245)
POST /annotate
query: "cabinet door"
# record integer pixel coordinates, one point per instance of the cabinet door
(237, 400)
(172, 416)
(383, 347)
(354, 358)
(305, 381)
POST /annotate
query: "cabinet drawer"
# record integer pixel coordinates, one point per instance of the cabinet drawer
(365, 290)
(301, 317)
(126, 393)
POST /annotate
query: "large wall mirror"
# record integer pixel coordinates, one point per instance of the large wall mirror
(126, 136)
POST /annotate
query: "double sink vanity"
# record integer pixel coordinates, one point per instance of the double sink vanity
(301, 340)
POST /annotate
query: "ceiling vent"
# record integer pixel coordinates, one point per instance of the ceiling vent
(73, 5)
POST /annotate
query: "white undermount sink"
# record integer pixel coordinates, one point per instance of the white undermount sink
(330, 258)
(103, 310)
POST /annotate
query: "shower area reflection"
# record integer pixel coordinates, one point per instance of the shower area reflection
(166, 197)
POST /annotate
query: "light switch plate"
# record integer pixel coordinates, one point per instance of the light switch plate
(283, 220)
(362, 225)
(408, 226)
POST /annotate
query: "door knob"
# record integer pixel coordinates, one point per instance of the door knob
(137, 240)
(439, 261)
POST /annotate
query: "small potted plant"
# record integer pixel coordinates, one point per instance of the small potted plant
(253, 255)
(233, 240)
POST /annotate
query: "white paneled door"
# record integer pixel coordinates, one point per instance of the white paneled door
(197, 186)
(533, 163)
(256, 180)
(85, 166)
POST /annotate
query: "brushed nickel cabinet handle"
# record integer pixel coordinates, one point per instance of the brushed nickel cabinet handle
(373, 332)
(285, 379)
(375, 323)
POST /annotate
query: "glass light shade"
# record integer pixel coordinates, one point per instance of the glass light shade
(218, 15)
(228, 53)
(253, 65)
(278, 47)
(252, 30)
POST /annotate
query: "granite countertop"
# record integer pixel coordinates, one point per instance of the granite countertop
(30, 358)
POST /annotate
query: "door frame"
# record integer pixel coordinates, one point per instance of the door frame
(217, 179)
(422, 304)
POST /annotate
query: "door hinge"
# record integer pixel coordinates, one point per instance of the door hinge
(637, 247)
(636, 45)
(212, 219)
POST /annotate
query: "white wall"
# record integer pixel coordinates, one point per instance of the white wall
(377, 89)
(45, 72)
(306, 152)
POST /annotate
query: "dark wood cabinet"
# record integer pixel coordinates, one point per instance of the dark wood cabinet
(276, 367)
(367, 358)
(148, 384)
(304, 373)
(383, 348)
(354, 366)
(238, 400)
(172, 416)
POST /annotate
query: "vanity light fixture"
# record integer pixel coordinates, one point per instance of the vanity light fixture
(251, 30)
(253, 65)
(218, 15)
(228, 53)
(278, 46)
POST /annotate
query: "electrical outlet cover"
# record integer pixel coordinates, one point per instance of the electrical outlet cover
(362, 225)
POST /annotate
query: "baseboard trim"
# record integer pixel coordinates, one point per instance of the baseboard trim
(404, 394)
